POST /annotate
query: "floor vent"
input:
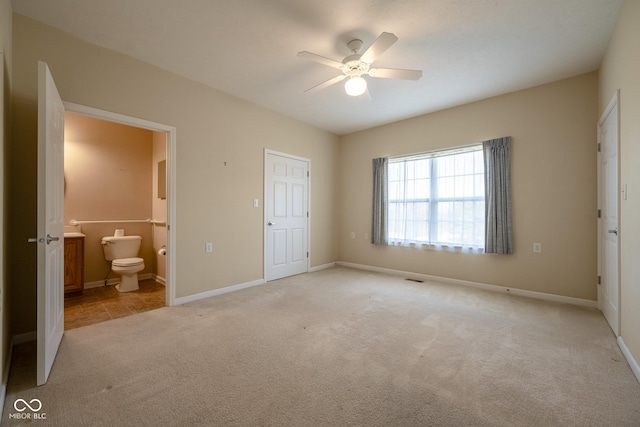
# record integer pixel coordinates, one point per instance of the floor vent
(414, 280)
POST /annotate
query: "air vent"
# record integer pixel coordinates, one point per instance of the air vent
(414, 280)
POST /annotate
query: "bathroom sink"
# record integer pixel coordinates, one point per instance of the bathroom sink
(73, 234)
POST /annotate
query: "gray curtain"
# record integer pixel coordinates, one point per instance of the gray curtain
(497, 182)
(379, 210)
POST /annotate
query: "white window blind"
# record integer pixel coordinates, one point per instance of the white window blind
(437, 199)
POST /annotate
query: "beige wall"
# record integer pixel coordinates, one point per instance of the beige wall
(553, 176)
(621, 70)
(5, 135)
(213, 201)
(108, 175)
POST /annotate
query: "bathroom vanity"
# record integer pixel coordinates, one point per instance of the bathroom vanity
(73, 263)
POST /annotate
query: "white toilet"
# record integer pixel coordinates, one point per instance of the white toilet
(122, 251)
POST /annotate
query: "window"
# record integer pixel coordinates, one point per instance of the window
(437, 199)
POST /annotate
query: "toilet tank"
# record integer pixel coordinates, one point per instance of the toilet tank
(118, 247)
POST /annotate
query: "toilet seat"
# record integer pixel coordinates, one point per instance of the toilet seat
(127, 262)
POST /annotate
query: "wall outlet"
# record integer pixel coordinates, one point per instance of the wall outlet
(537, 248)
(208, 247)
(353, 234)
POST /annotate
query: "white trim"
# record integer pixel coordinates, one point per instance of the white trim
(477, 285)
(630, 359)
(170, 293)
(322, 267)
(116, 280)
(216, 292)
(264, 206)
(159, 279)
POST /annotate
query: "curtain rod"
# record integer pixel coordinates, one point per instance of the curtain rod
(438, 151)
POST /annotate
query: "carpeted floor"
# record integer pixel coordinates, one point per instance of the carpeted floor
(339, 347)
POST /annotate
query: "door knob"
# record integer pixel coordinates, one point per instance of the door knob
(614, 231)
(48, 239)
(271, 223)
(52, 239)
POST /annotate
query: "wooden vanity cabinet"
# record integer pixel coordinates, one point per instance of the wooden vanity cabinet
(73, 265)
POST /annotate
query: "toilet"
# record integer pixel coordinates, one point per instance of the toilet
(122, 252)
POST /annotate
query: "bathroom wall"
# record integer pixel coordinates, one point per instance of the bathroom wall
(159, 207)
(108, 175)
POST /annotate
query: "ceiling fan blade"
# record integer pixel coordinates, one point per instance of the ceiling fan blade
(328, 83)
(379, 46)
(320, 59)
(392, 73)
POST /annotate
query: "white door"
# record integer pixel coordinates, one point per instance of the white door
(50, 222)
(286, 216)
(608, 290)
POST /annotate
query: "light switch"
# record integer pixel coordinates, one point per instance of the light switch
(255, 203)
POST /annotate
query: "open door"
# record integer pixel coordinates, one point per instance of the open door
(50, 240)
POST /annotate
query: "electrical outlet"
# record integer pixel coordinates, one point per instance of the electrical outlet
(353, 234)
(208, 247)
(537, 248)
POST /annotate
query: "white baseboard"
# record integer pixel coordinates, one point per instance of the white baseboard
(159, 279)
(484, 286)
(116, 280)
(216, 292)
(630, 359)
(322, 267)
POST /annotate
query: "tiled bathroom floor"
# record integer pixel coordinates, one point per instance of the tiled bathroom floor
(106, 303)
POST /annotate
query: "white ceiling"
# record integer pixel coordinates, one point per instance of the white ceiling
(468, 49)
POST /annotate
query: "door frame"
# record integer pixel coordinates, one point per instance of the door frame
(613, 103)
(264, 207)
(170, 291)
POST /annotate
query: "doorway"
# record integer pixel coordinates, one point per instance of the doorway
(608, 202)
(286, 208)
(157, 281)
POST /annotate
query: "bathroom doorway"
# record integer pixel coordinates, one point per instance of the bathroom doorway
(118, 176)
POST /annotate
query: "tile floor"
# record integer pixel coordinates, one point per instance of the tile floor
(106, 303)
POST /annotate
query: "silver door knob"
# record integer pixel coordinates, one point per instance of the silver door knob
(52, 239)
(614, 231)
(271, 223)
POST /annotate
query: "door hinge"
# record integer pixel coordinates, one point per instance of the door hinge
(307, 174)
(599, 213)
(599, 280)
(307, 214)
(307, 254)
(599, 147)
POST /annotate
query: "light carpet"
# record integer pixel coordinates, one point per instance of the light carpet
(339, 347)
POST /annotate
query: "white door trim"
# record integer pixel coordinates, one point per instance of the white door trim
(171, 179)
(264, 207)
(614, 103)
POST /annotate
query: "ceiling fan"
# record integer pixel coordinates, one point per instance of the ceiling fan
(357, 65)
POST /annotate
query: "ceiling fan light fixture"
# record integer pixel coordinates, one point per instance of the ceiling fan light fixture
(355, 86)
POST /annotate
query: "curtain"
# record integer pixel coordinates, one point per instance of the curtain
(497, 181)
(380, 197)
